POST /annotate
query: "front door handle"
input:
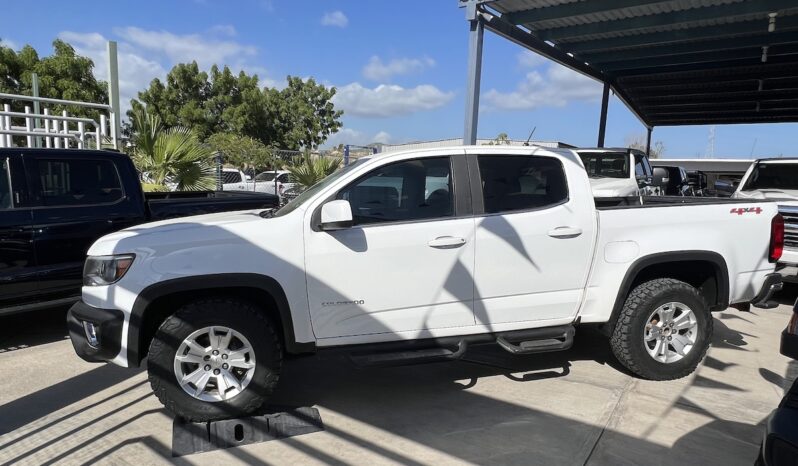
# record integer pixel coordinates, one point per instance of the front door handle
(565, 232)
(446, 242)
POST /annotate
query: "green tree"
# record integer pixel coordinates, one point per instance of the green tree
(310, 170)
(242, 152)
(501, 140)
(62, 75)
(303, 114)
(299, 116)
(171, 156)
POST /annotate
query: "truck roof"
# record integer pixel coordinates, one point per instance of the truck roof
(61, 152)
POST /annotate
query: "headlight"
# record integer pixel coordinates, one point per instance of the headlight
(104, 270)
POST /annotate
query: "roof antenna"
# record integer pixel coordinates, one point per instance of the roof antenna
(530, 136)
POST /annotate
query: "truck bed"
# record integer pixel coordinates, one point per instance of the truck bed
(167, 205)
(632, 202)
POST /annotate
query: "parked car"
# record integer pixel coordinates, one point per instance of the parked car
(777, 179)
(618, 172)
(275, 182)
(511, 248)
(55, 203)
(234, 179)
(780, 442)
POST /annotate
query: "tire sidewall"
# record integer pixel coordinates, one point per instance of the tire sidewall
(193, 317)
(684, 294)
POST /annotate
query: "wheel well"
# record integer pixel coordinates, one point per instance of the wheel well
(705, 271)
(164, 306)
(702, 275)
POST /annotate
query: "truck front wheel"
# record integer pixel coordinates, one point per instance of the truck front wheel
(663, 331)
(214, 359)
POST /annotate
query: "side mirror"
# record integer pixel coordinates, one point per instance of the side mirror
(336, 215)
(249, 177)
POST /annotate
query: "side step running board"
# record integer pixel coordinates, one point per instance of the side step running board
(415, 356)
(539, 340)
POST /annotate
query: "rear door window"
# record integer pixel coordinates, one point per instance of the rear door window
(231, 177)
(78, 182)
(513, 182)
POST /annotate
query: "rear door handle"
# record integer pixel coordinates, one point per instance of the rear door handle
(446, 242)
(565, 232)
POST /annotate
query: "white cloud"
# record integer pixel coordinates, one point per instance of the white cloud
(335, 18)
(8, 43)
(530, 59)
(387, 100)
(188, 47)
(142, 58)
(377, 70)
(135, 71)
(356, 137)
(383, 137)
(555, 87)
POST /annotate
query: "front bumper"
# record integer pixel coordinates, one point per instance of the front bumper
(772, 284)
(107, 325)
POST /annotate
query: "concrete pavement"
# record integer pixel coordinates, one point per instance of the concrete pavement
(574, 407)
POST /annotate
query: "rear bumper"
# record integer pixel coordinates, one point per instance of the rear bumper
(107, 324)
(773, 283)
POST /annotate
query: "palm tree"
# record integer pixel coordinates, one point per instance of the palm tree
(310, 171)
(171, 157)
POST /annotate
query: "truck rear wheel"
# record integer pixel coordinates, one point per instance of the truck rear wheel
(663, 331)
(214, 359)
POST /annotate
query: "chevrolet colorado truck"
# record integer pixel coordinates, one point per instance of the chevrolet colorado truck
(411, 257)
(54, 203)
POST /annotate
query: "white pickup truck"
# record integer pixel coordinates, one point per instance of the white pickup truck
(618, 172)
(412, 257)
(777, 180)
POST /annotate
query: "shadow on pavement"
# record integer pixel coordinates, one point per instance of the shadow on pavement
(28, 329)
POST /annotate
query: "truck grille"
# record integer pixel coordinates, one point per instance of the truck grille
(790, 215)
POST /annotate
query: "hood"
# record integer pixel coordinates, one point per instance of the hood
(177, 230)
(789, 194)
(613, 187)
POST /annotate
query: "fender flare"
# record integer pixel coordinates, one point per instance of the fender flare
(205, 283)
(719, 263)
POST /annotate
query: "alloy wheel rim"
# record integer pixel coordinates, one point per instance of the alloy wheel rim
(214, 364)
(671, 332)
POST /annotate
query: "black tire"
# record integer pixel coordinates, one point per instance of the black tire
(627, 340)
(238, 315)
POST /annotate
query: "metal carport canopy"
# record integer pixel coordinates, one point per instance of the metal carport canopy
(675, 62)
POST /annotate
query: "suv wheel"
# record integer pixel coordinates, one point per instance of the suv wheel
(214, 359)
(663, 330)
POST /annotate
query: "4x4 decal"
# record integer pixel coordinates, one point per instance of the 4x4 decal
(746, 210)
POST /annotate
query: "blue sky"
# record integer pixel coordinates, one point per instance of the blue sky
(399, 67)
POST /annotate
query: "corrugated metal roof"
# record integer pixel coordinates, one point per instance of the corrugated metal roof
(719, 52)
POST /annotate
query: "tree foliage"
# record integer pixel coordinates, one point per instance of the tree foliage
(241, 151)
(310, 170)
(171, 156)
(299, 116)
(62, 75)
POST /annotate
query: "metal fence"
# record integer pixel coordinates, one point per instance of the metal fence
(36, 126)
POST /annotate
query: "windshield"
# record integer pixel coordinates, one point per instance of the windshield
(606, 165)
(310, 192)
(265, 176)
(772, 176)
